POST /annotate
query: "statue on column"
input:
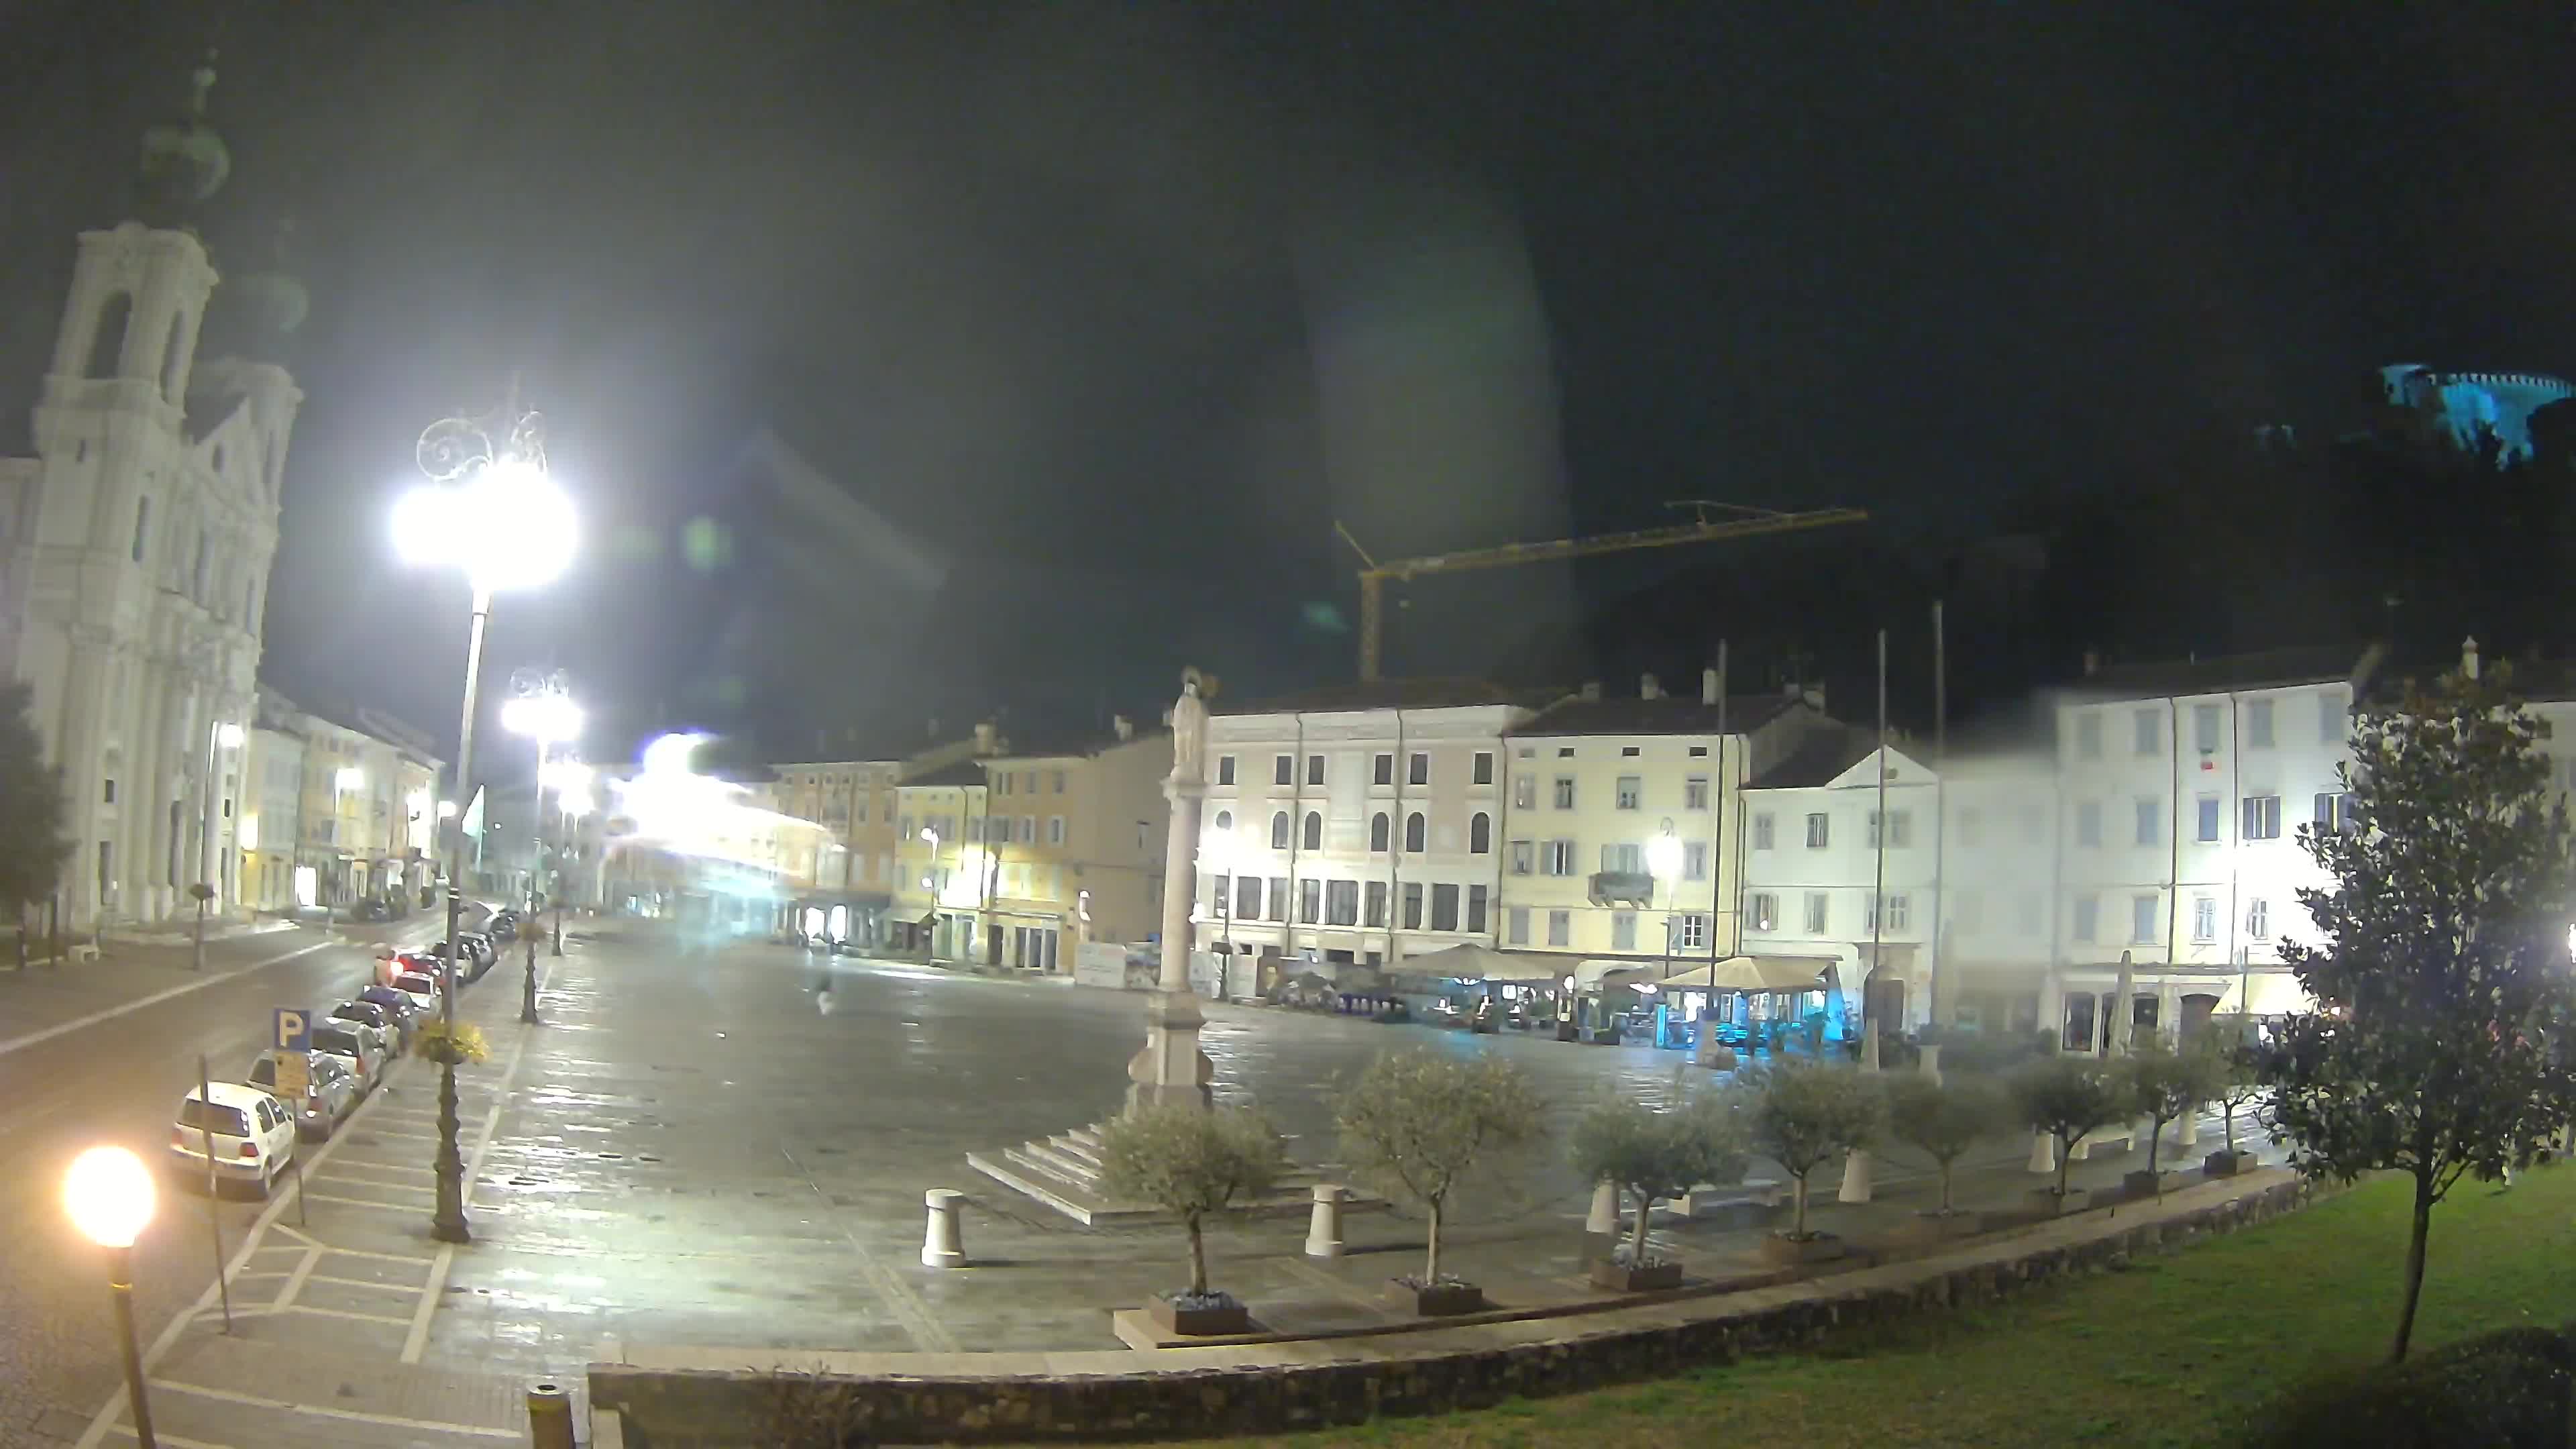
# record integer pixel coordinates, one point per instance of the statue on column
(1189, 732)
(1171, 1068)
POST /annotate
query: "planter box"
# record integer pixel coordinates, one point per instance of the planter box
(1439, 1300)
(2046, 1202)
(1197, 1320)
(1939, 1227)
(1606, 1036)
(1814, 1248)
(2224, 1163)
(2143, 1183)
(1620, 1278)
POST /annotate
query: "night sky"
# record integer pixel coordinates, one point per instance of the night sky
(1116, 308)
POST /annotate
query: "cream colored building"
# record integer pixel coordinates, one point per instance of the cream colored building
(359, 820)
(856, 868)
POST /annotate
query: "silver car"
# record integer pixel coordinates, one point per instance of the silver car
(360, 1048)
(329, 1091)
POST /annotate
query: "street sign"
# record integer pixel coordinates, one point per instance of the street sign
(294, 1031)
(294, 1075)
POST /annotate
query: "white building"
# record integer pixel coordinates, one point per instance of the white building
(1828, 878)
(2000, 903)
(138, 542)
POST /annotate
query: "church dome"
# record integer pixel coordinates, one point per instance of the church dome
(184, 161)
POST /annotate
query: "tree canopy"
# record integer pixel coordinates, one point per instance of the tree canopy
(33, 845)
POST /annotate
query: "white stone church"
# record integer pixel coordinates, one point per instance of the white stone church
(137, 542)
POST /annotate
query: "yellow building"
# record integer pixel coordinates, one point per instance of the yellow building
(335, 813)
(855, 877)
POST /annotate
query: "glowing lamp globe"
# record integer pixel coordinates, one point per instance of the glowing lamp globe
(508, 527)
(108, 1194)
(1663, 855)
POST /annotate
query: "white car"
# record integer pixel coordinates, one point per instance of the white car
(253, 1135)
(423, 991)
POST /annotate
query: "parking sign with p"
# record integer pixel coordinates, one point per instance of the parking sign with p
(294, 1030)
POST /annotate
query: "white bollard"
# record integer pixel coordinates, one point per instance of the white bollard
(1604, 1217)
(941, 1246)
(1324, 1226)
(1855, 1177)
(2188, 1131)
(2043, 1152)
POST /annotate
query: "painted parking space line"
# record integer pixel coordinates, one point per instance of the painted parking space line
(124, 1431)
(374, 1166)
(391, 1207)
(325, 1411)
(416, 1341)
(344, 1313)
(362, 1283)
(78, 1023)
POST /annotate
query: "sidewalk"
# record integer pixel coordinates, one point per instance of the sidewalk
(48, 997)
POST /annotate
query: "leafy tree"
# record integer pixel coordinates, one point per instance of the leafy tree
(2236, 1071)
(1417, 1122)
(2067, 1097)
(1942, 1119)
(33, 846)
(2443, 972)
(1804, 1114)
(1190, 1162)
(1650, 1155)
(2168, 1084)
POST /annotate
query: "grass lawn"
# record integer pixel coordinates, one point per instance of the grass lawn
(2167, 1352)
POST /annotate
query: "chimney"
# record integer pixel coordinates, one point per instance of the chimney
(1591, 691)
(1649, 687)
(1708, 686)
(2092, 662)
(2469, 657)
(984, 744)
(1123, 726)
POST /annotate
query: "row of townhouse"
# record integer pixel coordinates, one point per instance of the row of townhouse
(2151, 824)
(332, 809)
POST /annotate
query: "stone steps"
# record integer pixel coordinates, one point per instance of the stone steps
(1063, 1171)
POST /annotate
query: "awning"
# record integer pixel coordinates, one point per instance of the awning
(1602, 974)
(1753, 973)
(1478, 963)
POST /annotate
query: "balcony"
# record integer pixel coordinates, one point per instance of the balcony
(1634, 887)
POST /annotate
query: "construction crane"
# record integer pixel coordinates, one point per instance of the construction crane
(1711, 523)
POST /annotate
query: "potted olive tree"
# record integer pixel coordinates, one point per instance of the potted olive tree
(1415, 1125)
(2236, 1083)
(2168, 1085)
(1942, 1118)
(1192, 1161)
(1804, 1115)
(2066, 1097)
(1650, 1155)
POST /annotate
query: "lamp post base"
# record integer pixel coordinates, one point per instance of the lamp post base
(447, 1223)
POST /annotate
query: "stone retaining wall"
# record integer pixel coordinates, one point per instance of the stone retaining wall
(1273, 1387)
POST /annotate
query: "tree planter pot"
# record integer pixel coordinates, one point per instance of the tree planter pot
(1813, 1248)
(2046, 1202)
(2145, 1184)
(1606, 1036)
(1435, 1300)
(1933, 1225)
(1218, 1313)
(2224, 1163)
(1621, 1278)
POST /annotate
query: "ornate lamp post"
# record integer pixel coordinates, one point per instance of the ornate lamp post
(541, 708)
(492, 510)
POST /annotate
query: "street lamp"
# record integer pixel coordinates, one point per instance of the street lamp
(570, 780)
(491, 509)
(108, 1194)
(1664, 863)
(542, 709)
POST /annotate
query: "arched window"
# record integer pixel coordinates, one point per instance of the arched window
(1413, 832)
(1480, 834)
(172, 355)
(1314, 830)
(1381, 832)
(1224, 821)
(1279, 831)
(107, 344)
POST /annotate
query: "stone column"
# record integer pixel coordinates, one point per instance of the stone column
(1171, 1068)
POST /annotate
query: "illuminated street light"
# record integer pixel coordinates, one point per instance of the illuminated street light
(492, 511)
(349, 779)
(542, 709)
(109, 1195)
(229, 735)
(446, 809)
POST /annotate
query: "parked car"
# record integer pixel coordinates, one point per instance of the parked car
(405, 1009)
(503, 926)
(253, 1135)
(422, 988)
(329, 1091)
(394, 1032)
(479, 955)
(360, 1048)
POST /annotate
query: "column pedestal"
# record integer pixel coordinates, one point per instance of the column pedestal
(1171, 1068)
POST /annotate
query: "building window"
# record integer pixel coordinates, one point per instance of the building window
(108, 791)
(1342, 903)
(1625, 858)
(2150, 725)
(1247, 897)
(1516, 926)
(1522, 857)
(1628, 751)
(1819, 830)
(1766, 911)
(1028, 830)
(1556, 857)
(1623, 930)
(2204, 728)
(1310, 902)
(1524, 792)
(1004, 782)
(2334, 717)
(1762, 831)
(1279, 831)
(1279, 898)
(1631, 789)
(2151, 822)
(1476, 899)
(1693, 933)
(2088, 912)
(1560, 928)
(1565, 752)
(1225, 769)
(2262, 818)
(1900, 829)
(2258, 723)
(2335, 811)
(2142, 919)
(1055, 829)
(2088, 736)
(1899, 912)
(1283, 769)
(1444, 907)
(2088, 822)
(1382, 770)
(1314, 769)
(1694, 860)
(1819, 912)
(1565, 792)
(1380, 832)
(1419, 771)
(1484, 768)
(1220, 891)
(2205, 827)
(2204, 918)
(1480, 834)
(1314, 830)
(2258, 918)
(1413, 905)
(1055, 782)
(1375, 904)
(142, 524)
(1413, 833)
(1695, 793)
